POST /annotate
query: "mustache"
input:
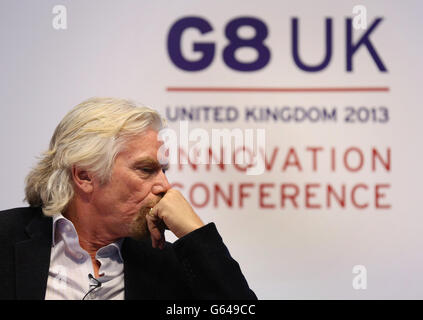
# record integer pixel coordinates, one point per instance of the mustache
(139, 229)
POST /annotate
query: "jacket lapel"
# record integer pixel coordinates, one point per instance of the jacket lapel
(33, 259)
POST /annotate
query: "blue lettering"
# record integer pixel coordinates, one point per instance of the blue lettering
(174, 44)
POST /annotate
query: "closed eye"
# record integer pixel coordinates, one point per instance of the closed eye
(153, 170)
(148, 166)
(147, 170)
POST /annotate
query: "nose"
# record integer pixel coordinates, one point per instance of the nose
(161, 184)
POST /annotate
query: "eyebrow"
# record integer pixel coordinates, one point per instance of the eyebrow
(152, 162)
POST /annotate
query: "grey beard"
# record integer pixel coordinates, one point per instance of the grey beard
(139, 229)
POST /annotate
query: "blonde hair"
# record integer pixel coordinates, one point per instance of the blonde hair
(89, 136)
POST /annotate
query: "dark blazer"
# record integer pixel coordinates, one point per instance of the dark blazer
(196, 266)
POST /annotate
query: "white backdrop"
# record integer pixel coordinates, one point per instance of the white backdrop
(119, 49)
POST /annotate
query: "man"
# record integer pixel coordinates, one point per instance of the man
(99, 204)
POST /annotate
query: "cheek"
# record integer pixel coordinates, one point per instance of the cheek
(137, 197)
(123, 195)
(132, 195)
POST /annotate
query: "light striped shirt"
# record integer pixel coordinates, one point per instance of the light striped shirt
(70, 266)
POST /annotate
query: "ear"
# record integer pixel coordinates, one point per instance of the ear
(83, 179)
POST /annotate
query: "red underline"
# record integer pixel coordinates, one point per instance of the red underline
(275, 89)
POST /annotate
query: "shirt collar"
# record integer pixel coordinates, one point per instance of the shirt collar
(57, 233)
(63, 229)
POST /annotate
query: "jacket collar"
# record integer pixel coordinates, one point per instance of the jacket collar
(32, 258)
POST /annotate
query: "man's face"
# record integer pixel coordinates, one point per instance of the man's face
(137, 183)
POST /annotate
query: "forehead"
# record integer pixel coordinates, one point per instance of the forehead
(143, 145)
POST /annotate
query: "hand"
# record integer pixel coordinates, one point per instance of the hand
(172, 212)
